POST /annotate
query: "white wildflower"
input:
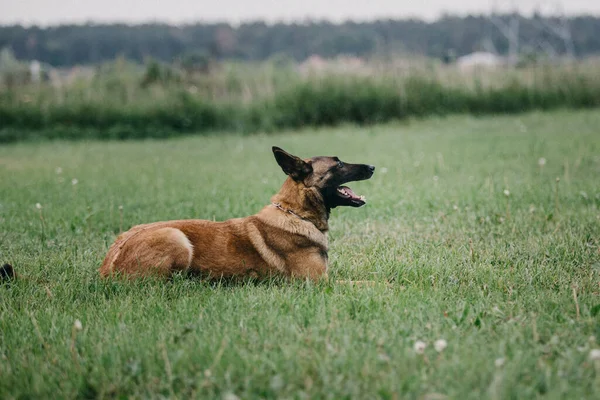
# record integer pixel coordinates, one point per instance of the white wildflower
(440, 345)
(542, 162)
(499, 362)
(419, 347)
(277, 383)
(74, 181)
(384, 170)
(58, 170)
(38, 206)
(506, 192)
(230, 396)
(522, 127)
(595, 355)
(77, 325)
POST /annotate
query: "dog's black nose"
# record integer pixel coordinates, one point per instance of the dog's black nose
(371, 167)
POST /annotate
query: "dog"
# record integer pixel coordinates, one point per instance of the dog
(288, 237)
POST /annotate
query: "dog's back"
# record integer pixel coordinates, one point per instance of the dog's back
(258, 245)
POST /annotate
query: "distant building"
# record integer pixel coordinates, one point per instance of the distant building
(35, 71)
(480, 59)
(314, 63)
(340, 64)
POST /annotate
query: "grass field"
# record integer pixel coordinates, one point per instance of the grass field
(511, 283)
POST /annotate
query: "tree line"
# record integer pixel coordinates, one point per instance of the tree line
(449, 36)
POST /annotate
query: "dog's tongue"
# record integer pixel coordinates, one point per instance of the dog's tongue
(348, 192)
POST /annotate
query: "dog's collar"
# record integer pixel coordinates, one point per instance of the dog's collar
(278, 205)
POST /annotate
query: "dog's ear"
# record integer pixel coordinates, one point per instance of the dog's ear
(293, 166)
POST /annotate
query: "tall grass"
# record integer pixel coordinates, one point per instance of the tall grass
(119, 104)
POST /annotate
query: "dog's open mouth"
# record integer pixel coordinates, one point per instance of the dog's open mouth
(346, 193)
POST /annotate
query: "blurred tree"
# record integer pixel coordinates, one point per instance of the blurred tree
(93, 43)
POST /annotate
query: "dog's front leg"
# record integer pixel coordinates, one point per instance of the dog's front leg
(311, 266)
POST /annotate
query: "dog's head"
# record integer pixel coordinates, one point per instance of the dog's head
(327, 175)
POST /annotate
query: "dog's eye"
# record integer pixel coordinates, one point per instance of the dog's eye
(340, 164)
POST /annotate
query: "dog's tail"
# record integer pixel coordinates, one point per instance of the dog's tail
(7, 272)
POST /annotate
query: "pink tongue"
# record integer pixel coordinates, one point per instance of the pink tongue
(350, 193)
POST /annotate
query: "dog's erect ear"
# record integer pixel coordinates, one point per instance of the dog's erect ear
(293, 166)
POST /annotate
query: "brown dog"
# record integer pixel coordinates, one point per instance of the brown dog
(287, 237)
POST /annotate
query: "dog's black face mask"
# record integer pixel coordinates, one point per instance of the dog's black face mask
(327, 174)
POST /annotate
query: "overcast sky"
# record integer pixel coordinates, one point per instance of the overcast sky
(52, 12)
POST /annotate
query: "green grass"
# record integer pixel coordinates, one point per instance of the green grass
(438, 187)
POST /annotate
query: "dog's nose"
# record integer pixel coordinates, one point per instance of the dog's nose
(371, 168)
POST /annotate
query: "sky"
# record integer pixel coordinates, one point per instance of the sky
(54, 12)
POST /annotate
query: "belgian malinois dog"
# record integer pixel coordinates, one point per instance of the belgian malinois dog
(287, 237)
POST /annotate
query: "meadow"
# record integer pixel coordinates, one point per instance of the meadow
(486, 229)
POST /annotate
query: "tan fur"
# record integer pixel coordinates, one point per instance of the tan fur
(270, 242)
(274, 241)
